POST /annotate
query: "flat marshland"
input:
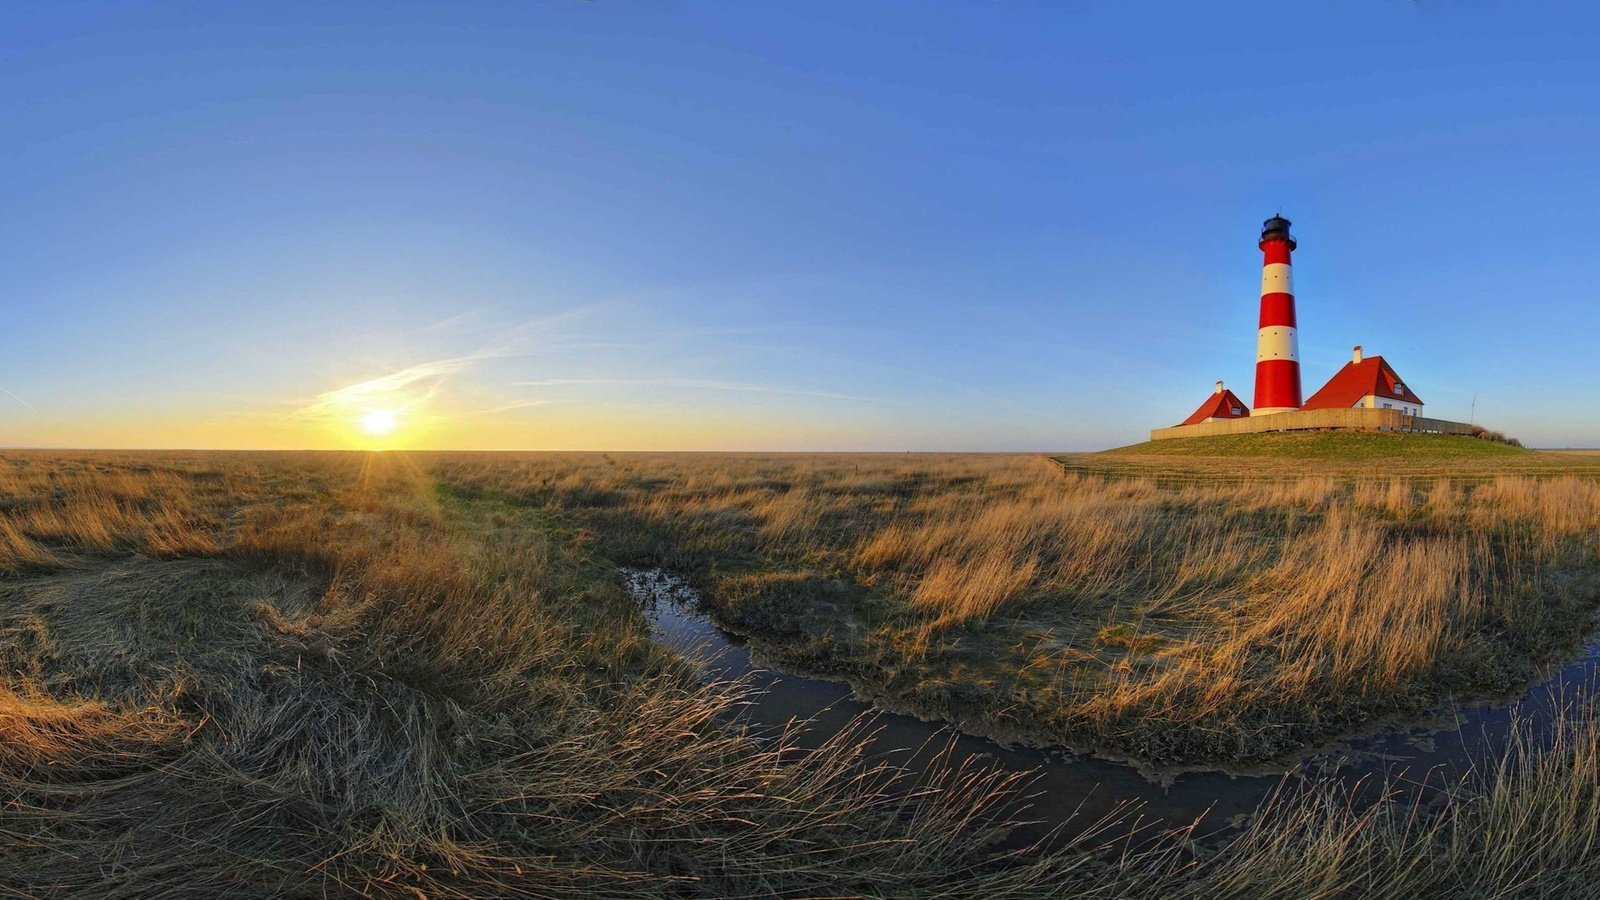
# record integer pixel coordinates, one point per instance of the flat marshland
(420, 675)
(1220, 619)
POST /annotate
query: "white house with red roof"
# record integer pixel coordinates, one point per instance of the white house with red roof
(1369, 383)
(1222, 404)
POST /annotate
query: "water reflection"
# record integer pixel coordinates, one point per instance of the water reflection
(1076, 789)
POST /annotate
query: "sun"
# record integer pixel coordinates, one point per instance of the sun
(378, 422)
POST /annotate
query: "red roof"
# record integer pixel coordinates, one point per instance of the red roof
(1218, 406)
(1358, 379)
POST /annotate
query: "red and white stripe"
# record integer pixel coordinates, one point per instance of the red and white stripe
(1277, 344)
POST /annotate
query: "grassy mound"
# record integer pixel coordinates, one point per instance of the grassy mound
(1329, 445)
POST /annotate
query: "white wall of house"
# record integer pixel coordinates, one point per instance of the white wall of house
(1237, 412)
(1373, 401)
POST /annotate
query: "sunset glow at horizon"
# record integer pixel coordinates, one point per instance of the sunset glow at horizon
(774, 227)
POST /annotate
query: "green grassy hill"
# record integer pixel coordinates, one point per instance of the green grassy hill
(1329, 445)
(1351, 455)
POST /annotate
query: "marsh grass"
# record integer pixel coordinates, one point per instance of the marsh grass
(315, 678)
(416, 675)
(1251, 617)
(1524, 824)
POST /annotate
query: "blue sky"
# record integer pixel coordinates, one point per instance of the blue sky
(978, 225)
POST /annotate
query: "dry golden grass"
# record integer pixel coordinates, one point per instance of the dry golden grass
(305, 675)
(344, 675)
(1524, 825)
(1314, 602)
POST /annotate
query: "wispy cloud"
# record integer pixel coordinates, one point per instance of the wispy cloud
(507, 407)
(407, 387)
(701, 384)
(459, 322)
(412, 387)
(425, 391)
(18, 399)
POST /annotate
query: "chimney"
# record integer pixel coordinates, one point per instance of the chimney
(1219, 387)
(1355, 355)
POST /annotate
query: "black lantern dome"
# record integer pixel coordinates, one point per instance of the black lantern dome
(1277, 229)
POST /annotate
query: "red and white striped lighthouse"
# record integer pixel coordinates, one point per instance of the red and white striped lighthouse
(1277, 344)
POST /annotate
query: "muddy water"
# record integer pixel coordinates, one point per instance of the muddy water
(1073, 790)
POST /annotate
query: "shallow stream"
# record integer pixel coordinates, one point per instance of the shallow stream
(1073, 789)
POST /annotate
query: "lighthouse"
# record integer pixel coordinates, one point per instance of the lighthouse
(1277, 345)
